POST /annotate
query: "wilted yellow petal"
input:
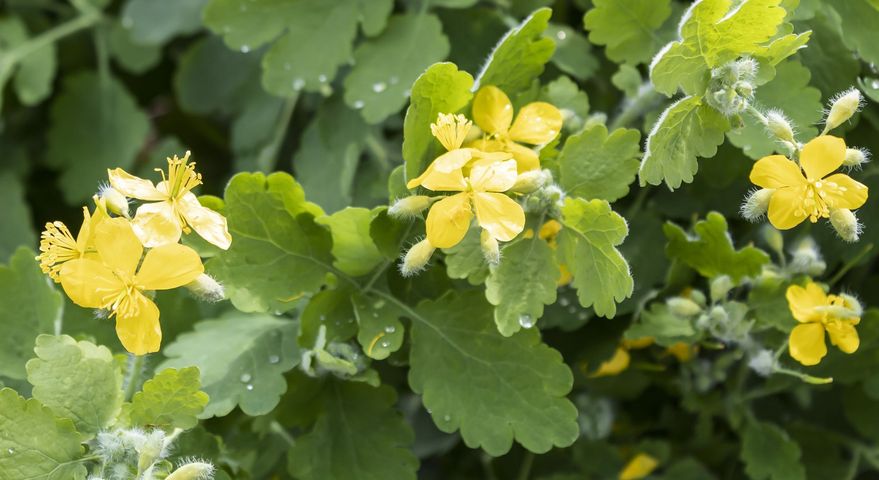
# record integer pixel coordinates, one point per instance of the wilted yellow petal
(118, 246)
(448, 220)
(488, 176)
(499, 214)
(537, 123)
(492, 110)
(786, 208)
(206, 222)
(803, 300)
(639, 467)
(615, 365)
(776, 171)
(168, 266)
(806, 343)
(822, 156)
(134, 187)
(157, 224)
(843, 192)
(843, 334)
(140, 333)
(89, 283)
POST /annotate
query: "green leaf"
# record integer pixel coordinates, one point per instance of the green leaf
(353, 248)
(358, 436)
(713, 32)
(440, 89)
(95, 125)
(36, 444)
(15, 216)
(132, 56)
(711, 252)
(662, 325)
(331, 308)
(172, 399)
(278, 252)
(628, 79)
(520, 56)
(587, 246)
(242, 359)
(380, 331)
(573, 102)
(327, 159)
(828, 59)
(35, 72)
(521, 284)
(594, 164)
(627, 28)
(466, 260)
(768, 302)
(29, 306)
(388, 233)
(514, 388)
(859, 20)
(77, 380)
(685, 130)
(155, 22)
(211, 78)
(573, 53)
(386, 67)
(790, 92)
(770, 454)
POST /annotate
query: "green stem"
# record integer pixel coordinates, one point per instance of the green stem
(387, 263)
(487, 467)
(646, 99)
(269, 154)
(850, 264)
(638, 203)
(282, 432)
(20, 51)
(378, 152)
(102, 55)
(133, 376)
(525, 468)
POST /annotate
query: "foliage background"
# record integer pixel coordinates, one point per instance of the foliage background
(93, 84)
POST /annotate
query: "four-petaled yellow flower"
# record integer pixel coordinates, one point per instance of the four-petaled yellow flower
(537, 123)
(817, 313)
(499, 215)
(57, 244)
(174, 209)
(116, 279)
(451, 131)
(805, 190)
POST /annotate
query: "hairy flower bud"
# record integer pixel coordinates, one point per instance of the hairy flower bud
(763, 363)
(856, 157)
(490, 248)
(531, 181)
(409, 207)
(757, 203)
(206, 288)
(115, 201)
(806, 258)
(416, 258)
(683, 306)
(846, 224)
(779, 126)
(843, 107)
(195, 470)
(720, 287)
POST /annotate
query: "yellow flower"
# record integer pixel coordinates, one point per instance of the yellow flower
(174, 209)
(449, 219)
(537, 123)
(805, 190)
(451, 131)
(817, 313)
(620, 360)
(113, 281)
(57, 244)
(638, 467)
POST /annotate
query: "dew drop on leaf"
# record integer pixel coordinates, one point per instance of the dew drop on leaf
(11, 451)
(322, 78)
(249, 387)
(526, 321)
(378, 304)
(245, 377)
(390, 329)
(385, 344)
(447, 418)
(298, 83)
(358, 104)
(875, 84)
(245, 48)
(379, 87)
(273, 359)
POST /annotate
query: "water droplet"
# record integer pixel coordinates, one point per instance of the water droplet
(245, 377)
(385, 344)
(358, 104)
(526, 321)
(11, 451)
(274, 359)
(429, 410)
(393, 80)
(322, 317)
(447, 418)
(298, 83)
(561, 35)
(379, 87)
(321, 78)
(875, 84)
(390, 329)
(563, 301)
(378, 304)
(407, 92)
(249, 387)
(245, 48)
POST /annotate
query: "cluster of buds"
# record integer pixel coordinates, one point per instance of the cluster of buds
(137, 453)
(731, 88)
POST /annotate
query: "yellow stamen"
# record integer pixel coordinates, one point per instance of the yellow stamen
(451, 130)
(182, 176)
(57, 246)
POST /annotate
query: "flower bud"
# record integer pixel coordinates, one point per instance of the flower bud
(531, 181)
(806, 258)
(193, 471)
(757, 203)
(490, 248)
(720, 287)
(409, 207)
(843, 107)
(746, 69)
(416, 258)
(846, 224)
(763, 363)
(856, 157)
(115, 201)
(779, 126)
(851, 303)
(683, 307)
(206, 288)
(772, 237)
(696, 296)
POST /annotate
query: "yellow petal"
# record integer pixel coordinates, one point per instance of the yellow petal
(85, 231)
(135, 187)
(851, 195)
(843, 334)
(453, 160)
(206, 222)
(537, 123)
(549, 230)
(488, 176)
(490, 156)
(776, 171)
(492, 110)
(806, 343)
(89, 283)
(822, 156)
(448, 220)
(157, 224)
(487, 145)
(565, 277)
(802, 301)
(684, 352)
(637, 343)
(499, 214)
(140, 333)
(786, 208)
(526, 159)
(615, 365)
(118, 246)
(169, 266)
(639, 467)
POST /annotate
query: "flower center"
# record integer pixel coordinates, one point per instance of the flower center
(181, 176)
(819, 197)
(451, 130)
(57, 246)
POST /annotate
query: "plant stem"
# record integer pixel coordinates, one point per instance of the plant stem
(268, 156)
(633, 109)
(82, 22)
(525, 468)
(133, 376)
(850, 264)
(282, 432)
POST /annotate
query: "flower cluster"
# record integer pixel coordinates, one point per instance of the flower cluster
(481, 174)
(106, 266)
(817, 313)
